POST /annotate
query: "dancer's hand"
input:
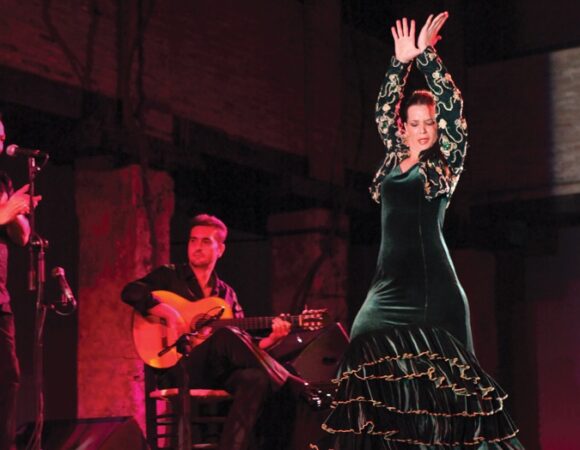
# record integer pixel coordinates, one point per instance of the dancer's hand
(429, 34)
(404, 36)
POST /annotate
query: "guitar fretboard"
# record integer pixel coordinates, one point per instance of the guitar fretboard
(255, 323)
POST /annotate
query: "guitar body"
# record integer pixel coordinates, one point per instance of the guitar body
(151, 335)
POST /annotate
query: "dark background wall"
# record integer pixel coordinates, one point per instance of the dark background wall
(259, 107)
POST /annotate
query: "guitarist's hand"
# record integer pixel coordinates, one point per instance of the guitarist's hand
(280, 329)
(172, 318)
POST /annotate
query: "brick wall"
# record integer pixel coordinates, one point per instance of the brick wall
(276, 74)
(212, 62)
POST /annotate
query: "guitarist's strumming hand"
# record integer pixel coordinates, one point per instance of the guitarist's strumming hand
(280, 329)
(169, 314)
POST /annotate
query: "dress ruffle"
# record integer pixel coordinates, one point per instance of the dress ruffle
(412, 387)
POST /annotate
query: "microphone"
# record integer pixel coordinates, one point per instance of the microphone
(210, 319)
(67, 295)
(16, 150)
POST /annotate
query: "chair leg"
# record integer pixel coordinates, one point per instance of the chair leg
(178, 416)
(151, 427)
(184, 420)
(208, 418)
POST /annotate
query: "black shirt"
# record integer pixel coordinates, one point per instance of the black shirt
(180, 279)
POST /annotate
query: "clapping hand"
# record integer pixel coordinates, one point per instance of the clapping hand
(18, 203)
(404, 36)
(406, 49)
(429, 34)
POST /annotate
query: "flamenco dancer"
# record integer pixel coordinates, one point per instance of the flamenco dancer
(410, 378)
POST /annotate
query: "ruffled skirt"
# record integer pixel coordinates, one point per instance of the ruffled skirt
(412, 387)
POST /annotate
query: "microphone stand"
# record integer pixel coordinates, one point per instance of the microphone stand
(36, 278)
(183, 346)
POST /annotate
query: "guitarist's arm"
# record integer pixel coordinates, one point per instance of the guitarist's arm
(280, 329)
(138, 293)
(172, 318)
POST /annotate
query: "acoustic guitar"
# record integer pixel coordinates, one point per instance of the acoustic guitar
(152, 336)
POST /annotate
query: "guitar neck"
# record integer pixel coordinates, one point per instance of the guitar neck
(255, 323)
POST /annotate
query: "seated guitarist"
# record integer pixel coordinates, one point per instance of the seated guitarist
(229, 358)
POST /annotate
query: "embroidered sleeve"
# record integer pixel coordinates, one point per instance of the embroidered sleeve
(449, 108)
(386, 114)
(389, 102)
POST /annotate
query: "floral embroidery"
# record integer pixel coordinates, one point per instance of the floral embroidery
(440, 177)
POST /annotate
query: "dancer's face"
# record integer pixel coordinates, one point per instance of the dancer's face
(420, 127)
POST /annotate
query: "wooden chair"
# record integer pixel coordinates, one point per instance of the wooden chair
(190, 419)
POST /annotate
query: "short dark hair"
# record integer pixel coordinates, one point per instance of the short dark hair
(420, 97)
(206, 220)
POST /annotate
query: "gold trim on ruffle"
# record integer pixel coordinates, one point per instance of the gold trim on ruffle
(439, 381)
(387, 436)
(362, 430)
(376, 403)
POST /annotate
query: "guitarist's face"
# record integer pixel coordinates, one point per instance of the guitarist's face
(204, 249)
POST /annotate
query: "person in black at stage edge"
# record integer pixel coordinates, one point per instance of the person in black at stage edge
(409, 378)
(14, 228)
(229, 358)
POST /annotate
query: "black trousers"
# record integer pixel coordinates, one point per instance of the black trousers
(9, 381)
(230, 360)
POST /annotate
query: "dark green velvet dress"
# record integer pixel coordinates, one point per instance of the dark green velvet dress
(415, 282)
(410, 379)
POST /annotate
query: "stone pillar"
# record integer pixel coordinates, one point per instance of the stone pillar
(309, 262)
(323, 89)
(114, 242)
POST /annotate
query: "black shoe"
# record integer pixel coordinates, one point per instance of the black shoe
(316, 399)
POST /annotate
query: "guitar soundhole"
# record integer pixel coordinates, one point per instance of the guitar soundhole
(206, 319)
